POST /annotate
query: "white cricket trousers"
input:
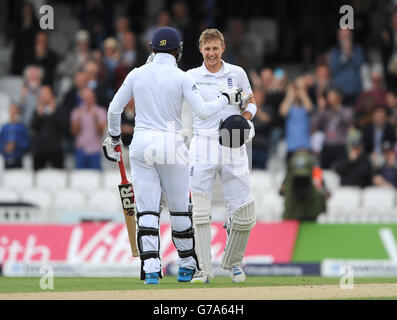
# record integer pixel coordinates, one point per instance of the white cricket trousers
(208, 157)
(160, 164)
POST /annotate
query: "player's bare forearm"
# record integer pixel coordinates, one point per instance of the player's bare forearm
(247, 115)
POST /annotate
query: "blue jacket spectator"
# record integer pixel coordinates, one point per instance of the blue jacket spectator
(345, 63)
(296, 107)
(14, 140)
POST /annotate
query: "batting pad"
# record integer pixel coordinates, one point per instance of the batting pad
(242, 222)
(202, 230)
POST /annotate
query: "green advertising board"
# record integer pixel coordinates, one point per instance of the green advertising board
(316, 242)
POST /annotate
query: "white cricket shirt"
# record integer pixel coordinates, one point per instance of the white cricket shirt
(210, 85)
(158, 89)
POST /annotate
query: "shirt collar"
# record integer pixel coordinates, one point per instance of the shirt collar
(164, 58)
(224, 70)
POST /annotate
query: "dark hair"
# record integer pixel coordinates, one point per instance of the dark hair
(335, 89)
(379, 107)
(172, 51)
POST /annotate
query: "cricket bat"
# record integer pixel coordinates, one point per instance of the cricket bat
(128, 202)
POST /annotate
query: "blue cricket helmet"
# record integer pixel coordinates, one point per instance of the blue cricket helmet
(165, 39)
(233, 131)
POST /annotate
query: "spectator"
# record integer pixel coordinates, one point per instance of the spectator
(334, 120)
(244, 49)
(88, 123)
(386, 175)
(262, 121)
(377, 132)
(111, 59)
(96, 16)
(266, 76)
(23, 33)
(321, 83)
(122, 26)
(32, 81)
(355, 170)
(71, 100)
(131, 53)
(76, 59)
(389, 51)
(345, 63)
(44, 57)
(391, 105)
(97, 57)
(94, 83)
(254, 79)
(182, 21)
(163, 20)
(274, 96)
(14, 139)
(131, 57)
(128, 123)
(47, 132)
(364, 115)
(377, 92)
(296, 108)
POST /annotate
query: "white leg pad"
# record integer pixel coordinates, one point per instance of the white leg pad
(202, 230)
(242, 222)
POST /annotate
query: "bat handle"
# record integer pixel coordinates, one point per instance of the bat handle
(124, 179)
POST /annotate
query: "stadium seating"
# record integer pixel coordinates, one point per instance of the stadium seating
(260, 181)
(105, 200)
(18, 179)
(57, 191)
(52, 179)
(266, 30)
(8, 195)
(69, 199)
(344, 200)
(331, 179)
(4, 106)
(40, 198)
(85, 179)
(5, 54)
(269, 206)
(111, 179)
(12, 85)
(378, 200)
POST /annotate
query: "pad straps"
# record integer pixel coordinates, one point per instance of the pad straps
(185, 234)
(146, 231)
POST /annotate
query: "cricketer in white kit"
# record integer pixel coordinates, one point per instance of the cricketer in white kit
(209, 158)
(158, 156)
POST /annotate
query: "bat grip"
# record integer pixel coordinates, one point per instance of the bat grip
(124, 179)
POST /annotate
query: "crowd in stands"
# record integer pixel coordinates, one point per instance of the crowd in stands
(349, 127)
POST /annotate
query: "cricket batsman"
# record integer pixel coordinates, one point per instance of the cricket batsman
(226, 158)
(158, 156)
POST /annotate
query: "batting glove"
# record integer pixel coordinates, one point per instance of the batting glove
(108, 146)
(252, 131)
(233, 95)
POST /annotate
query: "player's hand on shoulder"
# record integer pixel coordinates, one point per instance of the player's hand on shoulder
(233, 95)
(108, 146)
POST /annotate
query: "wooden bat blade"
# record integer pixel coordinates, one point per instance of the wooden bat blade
(131, 229)
(128, 203)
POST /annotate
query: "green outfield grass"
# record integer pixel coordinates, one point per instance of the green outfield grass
(19, 285)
